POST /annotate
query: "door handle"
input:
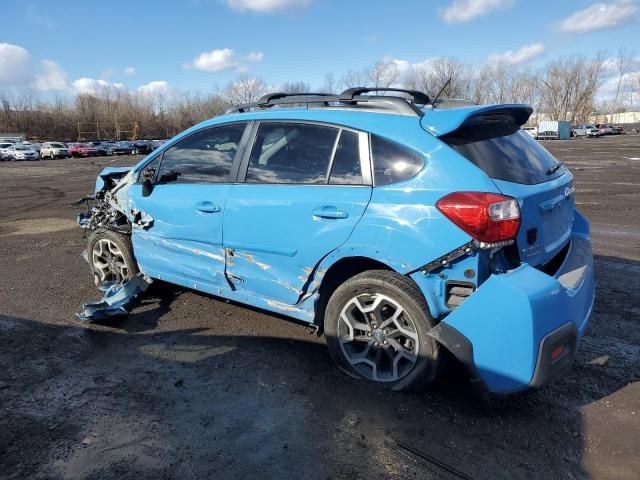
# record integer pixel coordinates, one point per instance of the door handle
(329, 211)
(207, 207)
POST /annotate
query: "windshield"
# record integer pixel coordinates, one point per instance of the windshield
(57, 145)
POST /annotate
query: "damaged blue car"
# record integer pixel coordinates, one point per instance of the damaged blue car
(406, 232)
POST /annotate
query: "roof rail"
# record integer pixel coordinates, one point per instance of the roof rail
(350, 98)
(418, 97)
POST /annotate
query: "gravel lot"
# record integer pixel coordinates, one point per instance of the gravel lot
(192, 387)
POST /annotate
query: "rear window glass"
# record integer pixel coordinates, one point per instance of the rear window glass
(393, 163)
(504, 152)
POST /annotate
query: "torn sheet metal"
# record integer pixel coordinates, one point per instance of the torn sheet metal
(117, 299)
(141, 219)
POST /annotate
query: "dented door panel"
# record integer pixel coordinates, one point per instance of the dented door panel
(185, 238)
(275, 235)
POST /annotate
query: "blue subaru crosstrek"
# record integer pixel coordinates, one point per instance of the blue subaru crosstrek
(404, 231)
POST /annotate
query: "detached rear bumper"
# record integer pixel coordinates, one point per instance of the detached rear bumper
(521, 329)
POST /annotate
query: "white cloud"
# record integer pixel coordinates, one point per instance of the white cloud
(268, 6)
(15, 67)
(601, 16)
(128, 71)
(465, 10)
(522, 55)
(92, 86)
(223, 59)
(52, 77)
(406, 68)
(156, 88)
(255, 56)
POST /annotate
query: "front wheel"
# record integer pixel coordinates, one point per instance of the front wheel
(111, 257)
(376, 325)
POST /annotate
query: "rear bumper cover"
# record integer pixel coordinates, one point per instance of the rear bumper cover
(521, 329)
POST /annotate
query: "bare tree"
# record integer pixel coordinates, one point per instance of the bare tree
(568, 86)
(245, 89)
(296, 87)
(625, 62)
(330, 84)
(383, 74)
(355, 78)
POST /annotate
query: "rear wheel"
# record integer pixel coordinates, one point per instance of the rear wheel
(111, 257)
(376, 325)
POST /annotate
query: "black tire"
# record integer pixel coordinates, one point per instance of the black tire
(406, 294)
(124, 246)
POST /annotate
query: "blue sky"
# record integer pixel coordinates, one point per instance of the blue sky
(61, 47)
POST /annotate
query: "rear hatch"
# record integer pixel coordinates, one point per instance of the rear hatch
(491, 138)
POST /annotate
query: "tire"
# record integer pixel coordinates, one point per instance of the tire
(416, 356)
(114, 250)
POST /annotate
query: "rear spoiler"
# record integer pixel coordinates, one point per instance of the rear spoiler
(440, 122)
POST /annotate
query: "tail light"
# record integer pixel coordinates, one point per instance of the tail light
(487, 217)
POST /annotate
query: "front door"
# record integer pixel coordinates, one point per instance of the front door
(306, 187)
(183, 243)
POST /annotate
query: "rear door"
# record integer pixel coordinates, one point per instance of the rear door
(305, 188)
(524, 169)
(183, 241)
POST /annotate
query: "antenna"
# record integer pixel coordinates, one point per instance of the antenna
(433, 102)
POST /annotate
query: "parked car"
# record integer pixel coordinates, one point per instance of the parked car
(19, 151)
(54, 150)
(143, 147)
(4, 146)
(398, 231)
(158, 143)
(110, 148)
(618, 130)
(587, 131)
(127, 147)
(82, 150)
(605, 129)
(533, 131)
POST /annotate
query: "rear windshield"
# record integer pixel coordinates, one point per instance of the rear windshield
(504, 152)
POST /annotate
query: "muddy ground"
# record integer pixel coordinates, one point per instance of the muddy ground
(193, 387)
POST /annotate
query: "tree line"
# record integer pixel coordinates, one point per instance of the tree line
(566, 88)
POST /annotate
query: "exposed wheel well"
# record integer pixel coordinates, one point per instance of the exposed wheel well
(338, 273)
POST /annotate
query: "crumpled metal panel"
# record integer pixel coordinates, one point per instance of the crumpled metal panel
(117, 299)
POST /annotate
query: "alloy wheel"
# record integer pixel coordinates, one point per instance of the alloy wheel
(378, 337)
(108, 261)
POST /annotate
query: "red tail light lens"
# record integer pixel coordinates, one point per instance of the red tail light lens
(487, 217)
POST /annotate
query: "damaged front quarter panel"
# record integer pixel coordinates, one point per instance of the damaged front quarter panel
(106, 208)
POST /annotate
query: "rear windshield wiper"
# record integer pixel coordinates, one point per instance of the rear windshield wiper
(553, 169)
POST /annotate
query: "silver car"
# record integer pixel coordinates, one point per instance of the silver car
(4, 147)
(54, 150)
(587, 131)
(22, 152)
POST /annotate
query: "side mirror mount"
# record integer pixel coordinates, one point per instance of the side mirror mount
(147, 187)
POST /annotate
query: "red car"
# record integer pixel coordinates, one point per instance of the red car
(82, 150)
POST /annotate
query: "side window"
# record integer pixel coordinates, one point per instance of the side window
(346, 162)
(291, 153)
(204, 157)
(393, 163)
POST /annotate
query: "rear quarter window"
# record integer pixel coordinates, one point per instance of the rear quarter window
(503, 151)
(393, 163)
